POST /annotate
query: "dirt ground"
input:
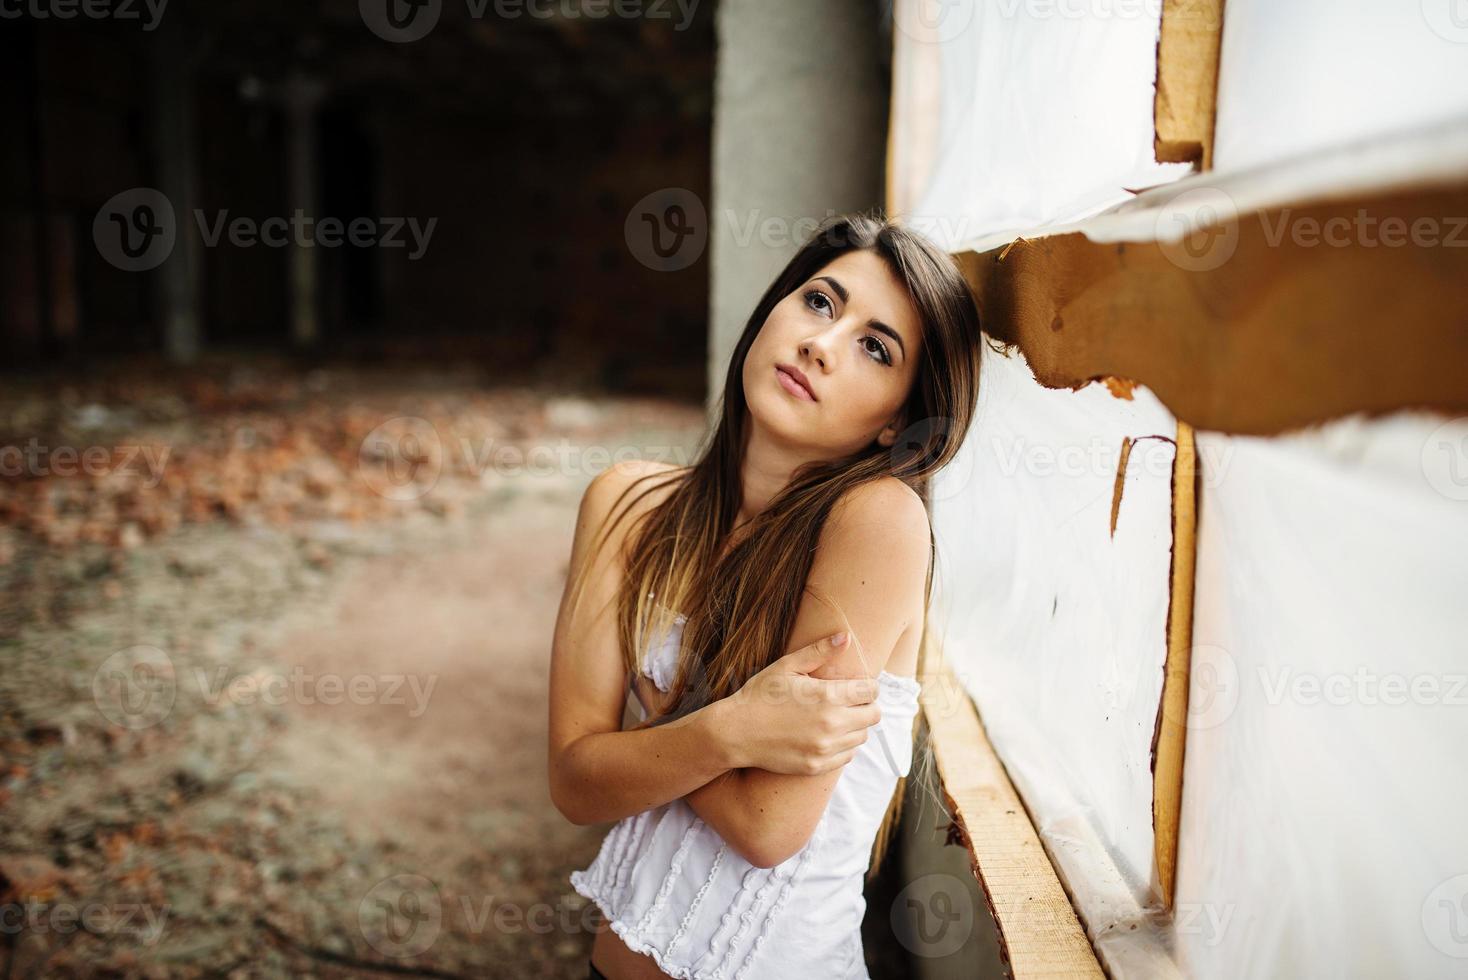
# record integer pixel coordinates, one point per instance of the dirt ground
(282, 712)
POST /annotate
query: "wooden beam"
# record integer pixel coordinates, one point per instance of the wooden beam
(1287, 331)
(1169, 737)
(1039, 933)
(1187, 80)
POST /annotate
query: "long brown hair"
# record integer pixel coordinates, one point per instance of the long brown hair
(741, 606)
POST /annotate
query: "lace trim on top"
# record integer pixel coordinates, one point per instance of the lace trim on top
(609, 891)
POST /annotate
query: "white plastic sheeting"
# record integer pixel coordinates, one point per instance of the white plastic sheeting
(1303, 76)
(1325, 803)
(1325, 792)
(1056, 628)
(1021, 113)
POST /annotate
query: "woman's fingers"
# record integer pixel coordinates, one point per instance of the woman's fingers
(813, 655)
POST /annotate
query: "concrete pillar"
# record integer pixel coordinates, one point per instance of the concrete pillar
(302, 97)
(800, 130)
(174, 58)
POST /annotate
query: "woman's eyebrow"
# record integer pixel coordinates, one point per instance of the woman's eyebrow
(881, 327)
(875, 324)
(839, 289)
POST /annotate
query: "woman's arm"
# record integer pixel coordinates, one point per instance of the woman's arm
(786, 718)
(597, 772)
(872, 562)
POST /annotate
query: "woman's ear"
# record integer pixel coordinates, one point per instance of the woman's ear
(892, 429)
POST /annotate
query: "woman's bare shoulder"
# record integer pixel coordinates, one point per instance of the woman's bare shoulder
(640, 476)
(885, 506)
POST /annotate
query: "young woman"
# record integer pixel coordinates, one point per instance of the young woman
(748, 800)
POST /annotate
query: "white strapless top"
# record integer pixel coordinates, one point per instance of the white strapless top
(671, 887)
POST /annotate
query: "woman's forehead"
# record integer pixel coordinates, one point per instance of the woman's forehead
(873, 287)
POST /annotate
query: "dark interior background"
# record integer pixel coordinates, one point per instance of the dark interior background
(528, 139)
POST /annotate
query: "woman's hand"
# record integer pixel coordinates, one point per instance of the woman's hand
(786, 721)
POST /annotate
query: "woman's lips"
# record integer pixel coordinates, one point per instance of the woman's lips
(794, 387)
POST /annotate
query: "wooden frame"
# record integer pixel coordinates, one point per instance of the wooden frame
(1039, 933)
(1187, 81)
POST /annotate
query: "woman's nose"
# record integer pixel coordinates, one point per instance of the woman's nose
(819, 348)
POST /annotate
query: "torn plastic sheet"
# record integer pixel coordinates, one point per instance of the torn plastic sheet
(1057, 628)
(989, 95)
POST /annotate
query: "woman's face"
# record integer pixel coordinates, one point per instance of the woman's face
(855, 334)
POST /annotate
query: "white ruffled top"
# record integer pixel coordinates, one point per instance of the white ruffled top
(671, 887)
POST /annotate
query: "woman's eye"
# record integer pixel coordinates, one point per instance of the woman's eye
(880, 350)
(818, 300)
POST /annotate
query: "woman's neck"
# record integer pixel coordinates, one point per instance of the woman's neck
(765, 471)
